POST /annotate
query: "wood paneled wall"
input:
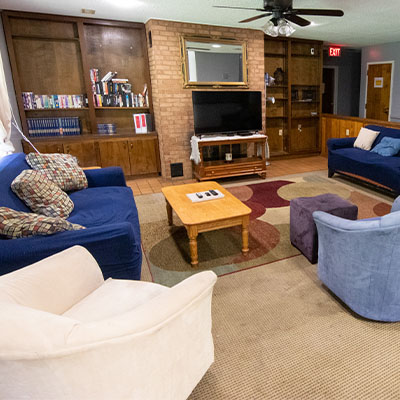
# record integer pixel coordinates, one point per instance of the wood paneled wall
(336, 126)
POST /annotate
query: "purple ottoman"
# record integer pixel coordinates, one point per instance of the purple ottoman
(303, 232)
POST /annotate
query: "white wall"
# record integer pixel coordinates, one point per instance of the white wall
(15, 136)
(382, 53)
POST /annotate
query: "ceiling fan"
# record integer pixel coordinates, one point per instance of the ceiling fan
(283, 11)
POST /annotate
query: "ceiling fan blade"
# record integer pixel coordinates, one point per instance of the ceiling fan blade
(240, 8)
(326, 13)
(296, 19)
(256, 17)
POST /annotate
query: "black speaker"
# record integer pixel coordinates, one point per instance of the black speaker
(176, 169)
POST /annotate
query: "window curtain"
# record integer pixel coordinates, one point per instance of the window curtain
(6, 146)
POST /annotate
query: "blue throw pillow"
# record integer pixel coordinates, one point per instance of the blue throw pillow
(387, 147)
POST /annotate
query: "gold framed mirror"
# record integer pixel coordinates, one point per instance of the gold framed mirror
(213, 62)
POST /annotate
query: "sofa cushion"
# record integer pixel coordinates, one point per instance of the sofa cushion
(387, 147)
(365, 138)
(62, 169)
(368, 157)
(114, 297)
(42, 195)
(383, 170)
(17, 224)
(10, 167)
(103, 205)
(384, 132)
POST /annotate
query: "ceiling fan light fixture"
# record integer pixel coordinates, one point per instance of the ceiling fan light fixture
(270, 28)
(284, 28)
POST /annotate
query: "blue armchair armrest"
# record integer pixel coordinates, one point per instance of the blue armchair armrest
(113, 246)
(323, 218)
(396, 205)
(334, 144)
(111, 176)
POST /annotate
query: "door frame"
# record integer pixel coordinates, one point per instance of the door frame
(335, 84)
(391, 86)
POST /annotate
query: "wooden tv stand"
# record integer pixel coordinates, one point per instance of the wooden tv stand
(243, 163)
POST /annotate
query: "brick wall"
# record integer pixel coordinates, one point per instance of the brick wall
(172, 104)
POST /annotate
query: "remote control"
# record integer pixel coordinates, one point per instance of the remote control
(207, 194)
(200, 196)
(213, 192)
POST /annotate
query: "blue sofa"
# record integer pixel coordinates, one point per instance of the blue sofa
(106, 208)
(343, 157)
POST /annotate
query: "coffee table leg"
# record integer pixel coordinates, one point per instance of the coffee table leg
(169, 213)
(192, 233)
(245, 235)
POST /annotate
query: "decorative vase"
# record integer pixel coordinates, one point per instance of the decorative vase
(279, 76)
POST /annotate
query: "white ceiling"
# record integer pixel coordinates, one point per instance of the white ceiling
(365, 22)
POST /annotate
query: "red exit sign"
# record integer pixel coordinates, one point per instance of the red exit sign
(334, 51)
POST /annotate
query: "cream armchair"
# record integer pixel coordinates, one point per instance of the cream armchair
(68, 334)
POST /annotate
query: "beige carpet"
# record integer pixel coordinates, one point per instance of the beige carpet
(279, 334)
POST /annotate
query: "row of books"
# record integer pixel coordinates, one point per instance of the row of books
(47, 101)
(107, 129)
(119, 100)
(111, 91)
(66, 126)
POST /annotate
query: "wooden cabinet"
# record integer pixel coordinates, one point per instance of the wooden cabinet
(43, 147)
(248, 158)
(143, 156)
(85, 152)
(136, 155)
(293, 103)
(53, 55)
(115, 153)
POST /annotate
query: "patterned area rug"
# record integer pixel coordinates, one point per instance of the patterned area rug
(167, 248)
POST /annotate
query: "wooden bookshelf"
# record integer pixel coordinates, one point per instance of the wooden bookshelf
(53, 54)
(293, 125)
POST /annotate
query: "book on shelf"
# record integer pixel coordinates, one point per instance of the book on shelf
(112, 91)
(34, 101)
(107, 129)
(143, 123)
(65, 126)
(108, 76)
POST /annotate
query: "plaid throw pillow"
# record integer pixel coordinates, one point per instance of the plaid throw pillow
(17, 224)
(62, 169)
(41, 195)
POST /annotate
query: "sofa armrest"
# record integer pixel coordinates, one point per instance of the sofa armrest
(105, 243)
(55, 283)
(334, 144)
(111, 176)
(154, 315)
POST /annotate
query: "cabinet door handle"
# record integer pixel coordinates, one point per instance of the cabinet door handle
(67, 149)
(131, 146)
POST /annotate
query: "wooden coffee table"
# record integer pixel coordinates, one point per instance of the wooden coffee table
(208, 215)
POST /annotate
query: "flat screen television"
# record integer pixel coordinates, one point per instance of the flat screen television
(226, 112)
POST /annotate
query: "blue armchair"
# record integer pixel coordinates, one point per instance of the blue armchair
(359, 261)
